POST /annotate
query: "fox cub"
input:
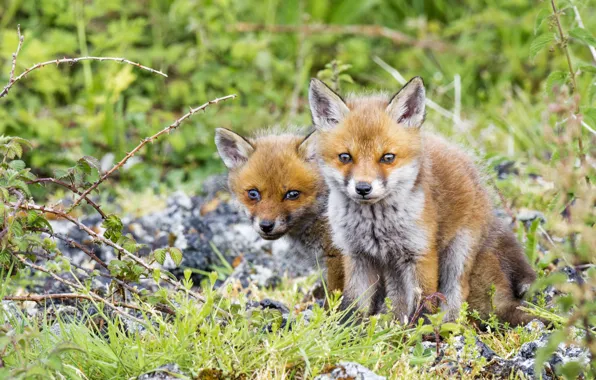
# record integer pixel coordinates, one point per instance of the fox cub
(408, 209)
(275, 180)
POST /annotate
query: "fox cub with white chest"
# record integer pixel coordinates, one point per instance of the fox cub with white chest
(275, 180)
(407, 208)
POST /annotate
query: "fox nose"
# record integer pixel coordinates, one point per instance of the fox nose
(266, 225)
(363, 188)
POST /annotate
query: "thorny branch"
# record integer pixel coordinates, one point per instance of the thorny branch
(92, 296)
(71, 188)
(168, 129)
(83, 195)
(15, 55)
(89, 273)
(21, 199)
(117, 247)
(62, 296)
(395, 36)
(57, 62)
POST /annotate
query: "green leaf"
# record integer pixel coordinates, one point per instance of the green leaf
(588, 68)
(571, 370)
(129, 243)
(556, 77)
(532, 242)
(91, 161)
(552, 279)
(544, 14)
(590, 116)
(17, 165)
(156, 274)
(61, 173)
(113, 226)
(176, 255)
(346, 78)
(540, 43)
(160, 255)
(449, 327)
(583, 35)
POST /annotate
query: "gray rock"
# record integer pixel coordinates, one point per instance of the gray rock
(506, 168)
(482, 350)
(165, 372)
(528, 216)
(524, 362)
(10, 312)
(349, 370)
(535, 325)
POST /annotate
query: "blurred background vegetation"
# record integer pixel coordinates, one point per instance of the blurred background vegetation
(497, 70)
(265, 52)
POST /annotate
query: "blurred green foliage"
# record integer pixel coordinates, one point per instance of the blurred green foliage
(98, 108)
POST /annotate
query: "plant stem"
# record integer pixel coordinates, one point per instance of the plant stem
(563, 43)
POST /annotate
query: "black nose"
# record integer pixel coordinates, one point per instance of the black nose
(363, 188)
(266, 225)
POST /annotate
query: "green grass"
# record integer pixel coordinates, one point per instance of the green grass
(197, 340)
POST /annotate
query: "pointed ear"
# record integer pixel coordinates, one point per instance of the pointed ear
(407, 106)
(327, 108)
(308, 147)
(233, 148)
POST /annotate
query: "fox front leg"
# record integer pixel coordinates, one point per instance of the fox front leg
(455, 267)
(361, 283)
(403, 290)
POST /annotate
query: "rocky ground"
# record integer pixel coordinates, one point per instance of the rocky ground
(202, 226)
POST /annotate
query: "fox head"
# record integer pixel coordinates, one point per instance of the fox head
(369, 147)
(274, 178)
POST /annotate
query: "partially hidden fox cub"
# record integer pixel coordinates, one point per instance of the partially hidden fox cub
(275, 180)
(408, 209)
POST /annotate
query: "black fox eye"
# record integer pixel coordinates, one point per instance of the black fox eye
(345, 158)
(292, 195)
(388, 158)
(254, 194)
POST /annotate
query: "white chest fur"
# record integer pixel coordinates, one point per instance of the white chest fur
(387, 231)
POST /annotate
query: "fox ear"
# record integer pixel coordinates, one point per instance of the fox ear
(407, 106)
(327, 108)
(233, 148)
(308, 147)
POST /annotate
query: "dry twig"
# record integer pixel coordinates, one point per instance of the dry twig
(71, 188)
(21, 199)
(177, 285)
(168, 129)
(12, 80)
(91, 296)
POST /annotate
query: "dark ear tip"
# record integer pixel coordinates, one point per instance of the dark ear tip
(316, 82)
(418, 80)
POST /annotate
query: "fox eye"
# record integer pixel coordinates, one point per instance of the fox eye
(292, 195)
(388, 158)
(254, 194)
(345, 158)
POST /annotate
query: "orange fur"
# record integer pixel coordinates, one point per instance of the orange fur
(456, 219)
(278, 163)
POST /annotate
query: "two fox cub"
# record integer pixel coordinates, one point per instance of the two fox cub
(395, 212)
